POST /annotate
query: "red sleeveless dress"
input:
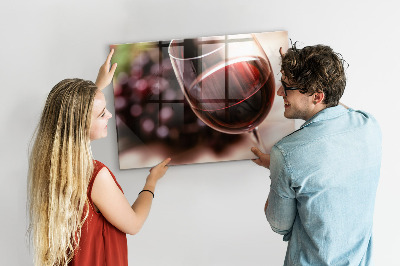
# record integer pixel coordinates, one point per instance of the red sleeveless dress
(101, 243)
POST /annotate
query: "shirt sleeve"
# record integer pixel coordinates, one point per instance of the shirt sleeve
(281, 210)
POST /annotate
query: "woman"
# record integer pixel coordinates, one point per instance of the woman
(78, 212)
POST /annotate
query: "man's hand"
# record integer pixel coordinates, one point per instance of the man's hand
(345, 106)
(105, 73)
(263, 159)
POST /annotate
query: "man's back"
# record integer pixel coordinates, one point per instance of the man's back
(328, 171)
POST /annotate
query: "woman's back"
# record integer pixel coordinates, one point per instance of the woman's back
(101, 243)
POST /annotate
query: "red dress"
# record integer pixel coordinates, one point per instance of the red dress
(101, 243)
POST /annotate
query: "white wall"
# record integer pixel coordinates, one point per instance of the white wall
(209, 214)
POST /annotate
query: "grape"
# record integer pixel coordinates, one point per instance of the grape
(149, 101)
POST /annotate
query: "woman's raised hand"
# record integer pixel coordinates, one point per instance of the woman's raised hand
(105, 73)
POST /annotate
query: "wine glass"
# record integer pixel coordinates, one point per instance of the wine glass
(227, 80)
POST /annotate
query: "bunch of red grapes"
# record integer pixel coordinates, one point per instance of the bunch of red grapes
(150, 104)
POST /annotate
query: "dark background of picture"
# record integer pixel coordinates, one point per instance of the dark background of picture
(150, 104)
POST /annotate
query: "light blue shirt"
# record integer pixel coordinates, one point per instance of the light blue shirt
(323, 184)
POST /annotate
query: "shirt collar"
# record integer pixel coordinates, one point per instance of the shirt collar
(325, 114)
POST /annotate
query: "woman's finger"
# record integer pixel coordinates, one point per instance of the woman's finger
(165, 162)
(108, 60)
(113, 68)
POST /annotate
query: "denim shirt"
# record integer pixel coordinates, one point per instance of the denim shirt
(323, 184)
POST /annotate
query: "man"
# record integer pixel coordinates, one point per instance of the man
(324, 175)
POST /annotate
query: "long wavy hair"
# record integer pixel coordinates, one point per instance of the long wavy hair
(60, 167)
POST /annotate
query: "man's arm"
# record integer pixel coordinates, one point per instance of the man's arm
(280, 208)
(345, 106)
(263, 160)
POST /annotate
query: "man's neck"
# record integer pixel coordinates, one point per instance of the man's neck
(318, 108)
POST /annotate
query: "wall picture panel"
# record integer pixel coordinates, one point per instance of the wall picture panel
(198, 100)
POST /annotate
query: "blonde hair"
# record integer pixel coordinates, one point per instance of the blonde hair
(60, 168)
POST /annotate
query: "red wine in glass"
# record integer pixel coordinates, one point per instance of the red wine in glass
(235, 96)
(227, 80)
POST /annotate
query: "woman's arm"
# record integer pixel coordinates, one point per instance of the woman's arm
(114, 206)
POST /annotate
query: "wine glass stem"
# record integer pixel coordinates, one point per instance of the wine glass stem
(258, 140)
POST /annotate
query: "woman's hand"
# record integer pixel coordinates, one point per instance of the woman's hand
(263, 159)
(158, 171)
(105, 73)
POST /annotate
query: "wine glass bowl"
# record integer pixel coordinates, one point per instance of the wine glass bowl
(227, 80)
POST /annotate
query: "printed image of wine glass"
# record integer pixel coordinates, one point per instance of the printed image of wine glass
(227, 80)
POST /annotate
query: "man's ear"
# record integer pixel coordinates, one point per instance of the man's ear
(318, 97)
(281, 52)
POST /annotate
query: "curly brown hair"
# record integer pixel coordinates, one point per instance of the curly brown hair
(316, 69)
